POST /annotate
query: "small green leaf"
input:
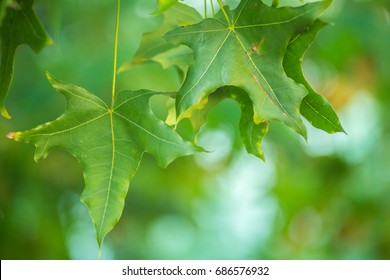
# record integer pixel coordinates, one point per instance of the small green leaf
(245, 48)
(164, 5)
(20, 26)
(109, 144)
(154, 48)
(315, 108)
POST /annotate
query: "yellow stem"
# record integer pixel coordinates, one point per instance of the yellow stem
(115, 54)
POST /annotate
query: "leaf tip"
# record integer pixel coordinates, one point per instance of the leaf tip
(13, 136)
(49, 41)
(49, 76)
(5, 114)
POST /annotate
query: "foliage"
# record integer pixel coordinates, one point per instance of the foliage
(109, 144)
(19, 26)
(254, 60)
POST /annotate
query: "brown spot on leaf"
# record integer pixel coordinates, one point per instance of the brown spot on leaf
(257, 47)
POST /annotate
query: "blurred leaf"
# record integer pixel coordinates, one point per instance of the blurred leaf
(180, 56)
(240, 48)
(109, 144)
(164, 5)
(20, 26)
(154, 48)
(315, 108)
(3, 6)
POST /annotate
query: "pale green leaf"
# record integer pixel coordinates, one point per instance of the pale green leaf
(154, 48)
(109, 144)
(245, 48)
(315, 108)
(20, 26)
(164, 5)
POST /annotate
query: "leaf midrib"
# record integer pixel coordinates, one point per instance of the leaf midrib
(111, 173)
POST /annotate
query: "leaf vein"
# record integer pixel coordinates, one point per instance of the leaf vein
(207, 68)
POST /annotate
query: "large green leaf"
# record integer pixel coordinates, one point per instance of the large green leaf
(315, 108)
(20, 26)
(245, 48)
(109, 144)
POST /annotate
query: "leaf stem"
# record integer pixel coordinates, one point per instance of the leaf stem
(205, 8)
(221, 5)
(115, 54)
(212, 8)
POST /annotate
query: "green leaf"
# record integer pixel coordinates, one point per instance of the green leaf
(275, 3)
(315, 108)
(20, 26)
(109, 144)
(245, 48)
(251, 133)
(154, 48)
(164, 5)
(3, 6)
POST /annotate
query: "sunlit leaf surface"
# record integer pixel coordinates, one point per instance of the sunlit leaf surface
(109, 144)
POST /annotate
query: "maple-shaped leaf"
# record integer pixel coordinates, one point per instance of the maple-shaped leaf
(245, 48)
(315, 108)
(19, 26)
(109, 144)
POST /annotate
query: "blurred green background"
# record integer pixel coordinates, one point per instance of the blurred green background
(325, 199)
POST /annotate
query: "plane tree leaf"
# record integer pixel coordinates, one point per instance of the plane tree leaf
(109, 144)
(19, 26)
(245, 48)
(153, 48)
(315, 108)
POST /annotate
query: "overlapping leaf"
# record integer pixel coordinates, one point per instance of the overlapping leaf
(252, 133)
(109, 144)
(19, 26)
(315, 108)
(164, 5)
(154, 48)
(245, 48)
